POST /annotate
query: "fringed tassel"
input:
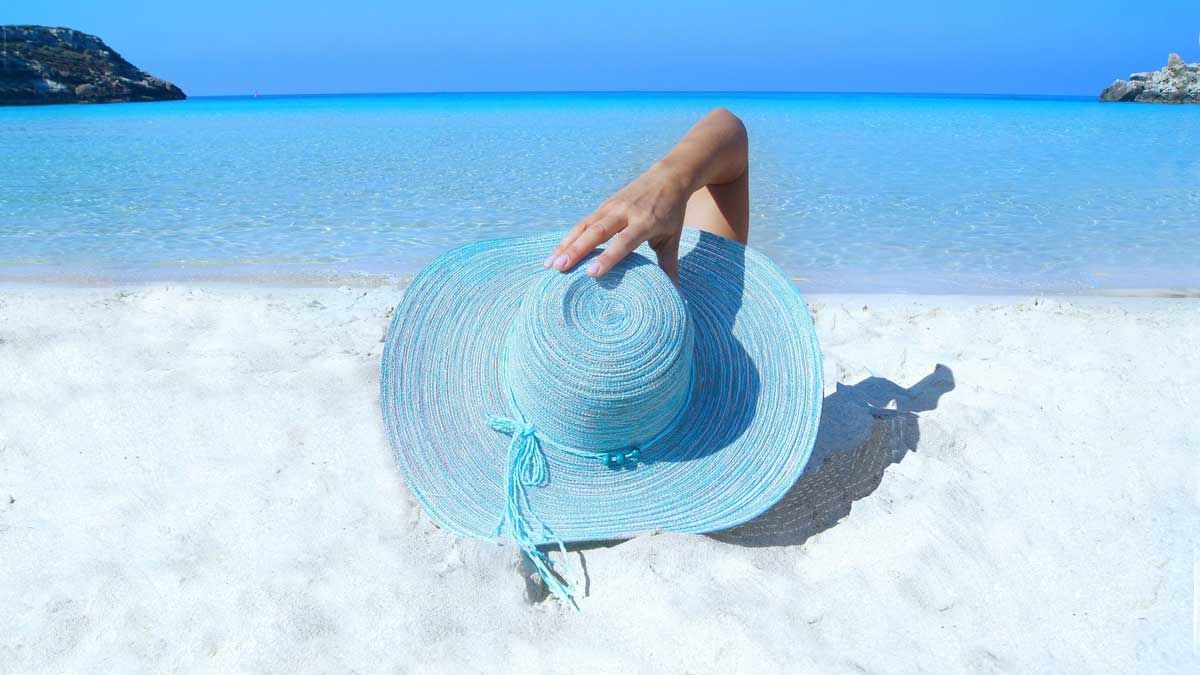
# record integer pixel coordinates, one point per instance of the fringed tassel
(527, 467)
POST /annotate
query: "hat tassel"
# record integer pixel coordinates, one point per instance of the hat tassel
(526, 467)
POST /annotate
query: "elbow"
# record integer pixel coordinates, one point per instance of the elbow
(733, 124)
(726, 117)
(735, 131)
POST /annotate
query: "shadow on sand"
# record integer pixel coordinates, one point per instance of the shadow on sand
(862, 433)
(864, 429)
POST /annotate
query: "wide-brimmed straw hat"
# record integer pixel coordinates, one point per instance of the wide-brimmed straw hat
(553, 407)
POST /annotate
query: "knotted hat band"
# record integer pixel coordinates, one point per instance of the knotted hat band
(526, 466)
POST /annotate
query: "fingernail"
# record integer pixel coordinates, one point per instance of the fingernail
(561, 262)
(549, 259)
(593, 269)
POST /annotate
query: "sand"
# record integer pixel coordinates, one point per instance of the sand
(195, 479)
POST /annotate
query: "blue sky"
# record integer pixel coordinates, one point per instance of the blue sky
(299, 46)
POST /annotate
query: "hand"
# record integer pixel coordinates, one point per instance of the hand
(715, 154)
(650, 209)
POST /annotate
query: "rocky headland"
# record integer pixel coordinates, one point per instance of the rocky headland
(1178, 82)
(41, 65)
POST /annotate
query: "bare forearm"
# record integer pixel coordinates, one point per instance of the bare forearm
(714, 152)
(712, 157)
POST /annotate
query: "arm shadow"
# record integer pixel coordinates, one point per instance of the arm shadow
(862, 432)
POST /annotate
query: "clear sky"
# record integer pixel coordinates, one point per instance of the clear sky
(331, 46)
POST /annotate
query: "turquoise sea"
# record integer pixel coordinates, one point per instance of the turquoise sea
(850, 192)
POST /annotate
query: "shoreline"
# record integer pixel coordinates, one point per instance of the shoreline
(368, 280)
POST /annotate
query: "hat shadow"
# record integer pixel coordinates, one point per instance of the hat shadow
(864, 429)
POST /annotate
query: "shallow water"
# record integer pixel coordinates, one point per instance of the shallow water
(850, 192)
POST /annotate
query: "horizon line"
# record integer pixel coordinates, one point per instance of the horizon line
(714, 92)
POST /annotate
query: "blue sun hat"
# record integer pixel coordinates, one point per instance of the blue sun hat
(552, 407)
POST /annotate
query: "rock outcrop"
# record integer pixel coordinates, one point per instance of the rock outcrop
(1178, 82)
(59, 65)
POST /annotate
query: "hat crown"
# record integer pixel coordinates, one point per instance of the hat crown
(601, 364)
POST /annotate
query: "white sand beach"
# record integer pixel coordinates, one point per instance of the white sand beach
(196, 479)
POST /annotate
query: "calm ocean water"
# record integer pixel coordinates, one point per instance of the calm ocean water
(850, 192)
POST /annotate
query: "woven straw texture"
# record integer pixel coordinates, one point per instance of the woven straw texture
(721, 390)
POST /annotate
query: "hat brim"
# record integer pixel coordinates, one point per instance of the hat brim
(741, 444)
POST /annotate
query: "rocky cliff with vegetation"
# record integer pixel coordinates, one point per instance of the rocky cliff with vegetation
(1178, 82)
(59, 65)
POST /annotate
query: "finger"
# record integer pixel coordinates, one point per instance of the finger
(668, 258)
(597, 232)
(569, 237)
(615, 252)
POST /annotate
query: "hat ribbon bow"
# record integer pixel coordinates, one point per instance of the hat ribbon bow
(526, 467)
